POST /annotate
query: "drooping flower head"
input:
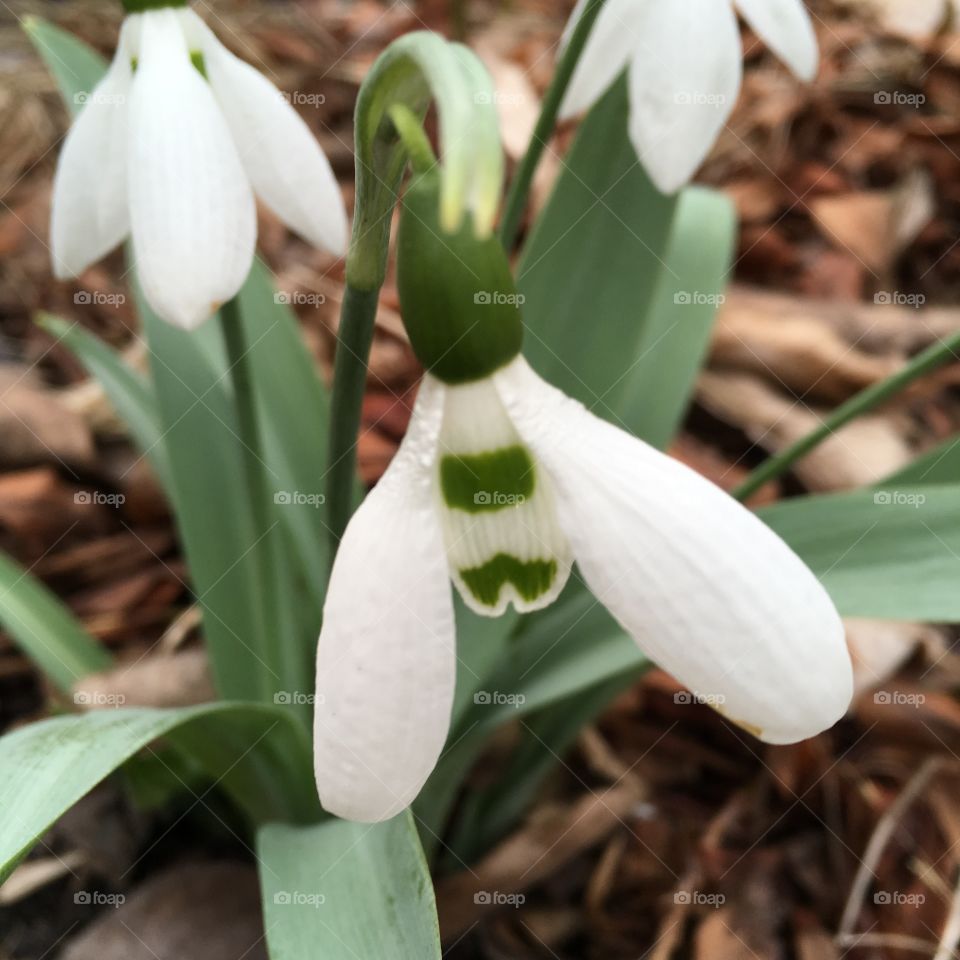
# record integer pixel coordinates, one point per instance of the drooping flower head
(501, 483)
(684, 65)
(170, 148)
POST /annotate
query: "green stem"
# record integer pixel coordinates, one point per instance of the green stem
(357, 316)
(278, 671)
(923, 363)
(523, 178)
(409, 127)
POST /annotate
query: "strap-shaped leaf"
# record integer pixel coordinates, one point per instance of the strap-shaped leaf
(258, 753)
(891, 553)
(45, 629)
(342, 890)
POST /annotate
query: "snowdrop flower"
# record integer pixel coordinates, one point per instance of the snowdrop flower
(684, 67)
(501, 483)
(170, 148)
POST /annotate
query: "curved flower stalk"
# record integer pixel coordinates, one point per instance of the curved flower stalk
(170, 148)
(412, 72)
(501, 484)
(684, 69)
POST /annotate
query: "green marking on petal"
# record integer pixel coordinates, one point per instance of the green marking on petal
(486, 482)
(531, 578)
(138, 6)
(196, 58)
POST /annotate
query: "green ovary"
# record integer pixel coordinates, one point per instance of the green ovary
(530, 578)
(487, 482)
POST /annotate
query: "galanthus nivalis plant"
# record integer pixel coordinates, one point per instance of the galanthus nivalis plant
(501, 484)
(170, 148)
(684, 68)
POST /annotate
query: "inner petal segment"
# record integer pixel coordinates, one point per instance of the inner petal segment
(504, 544)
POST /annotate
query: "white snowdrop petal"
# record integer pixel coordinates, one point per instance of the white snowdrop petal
(192, 213)
(684, 79)
(785, 26)
(386, 661)
(504, 542)
(705, 588)
(89, 214)
(612, 41)
(286, 166)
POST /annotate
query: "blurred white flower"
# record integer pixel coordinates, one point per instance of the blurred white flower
(500, 484)
(684, 68)
(173, 157)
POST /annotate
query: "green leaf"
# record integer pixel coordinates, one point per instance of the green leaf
(256, 752)
(127, 391)
(591, 269)
(209, 496)
(45, 629)
(675, 333)
(892, 554)
(75, 65)
(341, 890)
(939, 465)
(295, 408)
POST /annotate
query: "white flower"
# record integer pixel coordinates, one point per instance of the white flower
(500, 485)
(684, 60)
(172, 158)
